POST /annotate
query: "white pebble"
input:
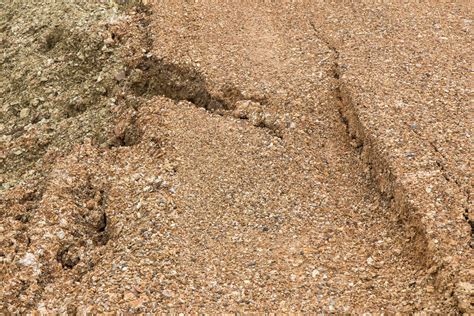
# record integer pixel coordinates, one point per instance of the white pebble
(28, 260)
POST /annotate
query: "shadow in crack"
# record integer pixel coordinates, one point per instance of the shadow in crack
(175, 82)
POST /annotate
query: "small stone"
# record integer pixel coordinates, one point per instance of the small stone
(167, 293)
(138, 303)
(101, 90)
(370, 261)
(109, 41)
(129, 296)
(136, 76)
(91, 204)
(120, 76)
(24, 113)
(28, 260)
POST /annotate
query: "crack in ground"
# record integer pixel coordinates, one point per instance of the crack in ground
(383, 178)
(378, 172)
(152, 76)
(451, 179)
(335, 74)
(155, 76)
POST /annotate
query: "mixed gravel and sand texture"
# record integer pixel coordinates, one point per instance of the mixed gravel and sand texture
(236, 157)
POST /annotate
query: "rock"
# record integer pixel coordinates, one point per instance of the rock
(24, 113)
(121, 75)
(136, 76)
(129, 296)
(167, 293)
(138, 303)
(370, 261)
(465, 294)
(28, 260)
(109, 41)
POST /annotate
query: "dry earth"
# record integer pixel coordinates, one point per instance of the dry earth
(236, 157)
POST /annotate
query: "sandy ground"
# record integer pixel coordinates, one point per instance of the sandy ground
(243, 158)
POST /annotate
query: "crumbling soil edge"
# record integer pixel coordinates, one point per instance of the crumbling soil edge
(398, 195)
(180, 83)
(152, 76)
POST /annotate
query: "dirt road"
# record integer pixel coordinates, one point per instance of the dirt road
(245, 171)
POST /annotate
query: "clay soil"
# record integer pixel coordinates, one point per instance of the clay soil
(235, 157)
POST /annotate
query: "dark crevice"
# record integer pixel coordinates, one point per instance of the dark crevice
(92, 223)
(154, 76)
(67, 257)
(335, 74)
(176, 82)
(126, 133)
(52, 38)
(181, 83)
(382, 176)
(102, 233)
(378, 173)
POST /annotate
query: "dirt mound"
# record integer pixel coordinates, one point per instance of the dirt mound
(61, 76)
(62, 86)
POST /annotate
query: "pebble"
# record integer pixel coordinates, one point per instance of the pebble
(24, 113)
(28, 260)
(129, 296)
(167, 293)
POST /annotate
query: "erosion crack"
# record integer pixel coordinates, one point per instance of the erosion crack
(452, 179)
(153, 76)
(413, 217)
(335, 73)
(378, 168)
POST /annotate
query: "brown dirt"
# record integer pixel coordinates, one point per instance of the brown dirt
(235, 158)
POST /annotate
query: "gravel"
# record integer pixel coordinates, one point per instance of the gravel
(234, 158)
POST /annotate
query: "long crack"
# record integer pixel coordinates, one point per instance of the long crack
(381, 175)
(379, 172)
(451, 179)
(153, 76)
